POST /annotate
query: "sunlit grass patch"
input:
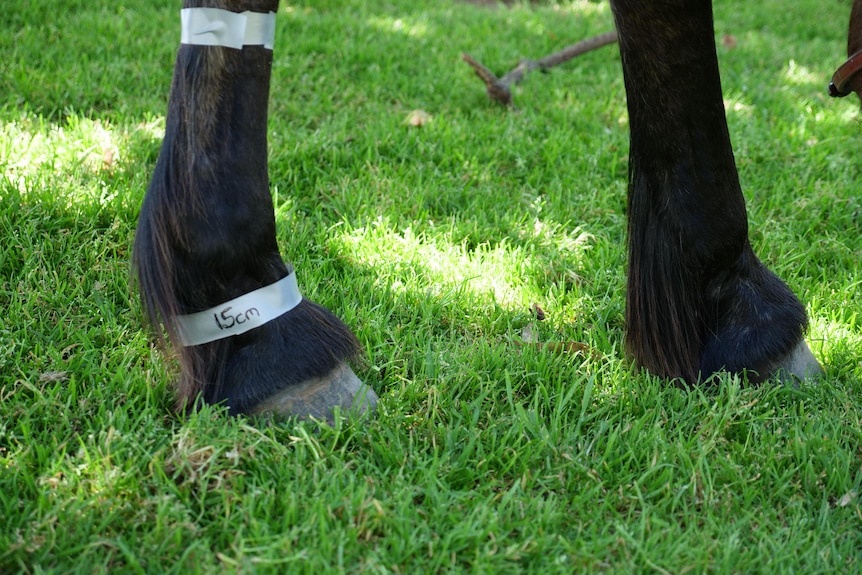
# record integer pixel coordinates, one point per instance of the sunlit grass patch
(431, 262)
(415, 28)
(78, 160)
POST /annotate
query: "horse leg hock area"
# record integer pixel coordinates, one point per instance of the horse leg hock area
(698, 299)
(206, 237)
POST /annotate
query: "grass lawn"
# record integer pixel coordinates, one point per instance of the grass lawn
(434, 243)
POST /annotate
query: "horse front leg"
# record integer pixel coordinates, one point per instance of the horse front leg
(854, 47)
(698, 298)
(206, 259)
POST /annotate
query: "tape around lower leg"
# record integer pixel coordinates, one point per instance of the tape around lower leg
(241, 314)
(217, 27)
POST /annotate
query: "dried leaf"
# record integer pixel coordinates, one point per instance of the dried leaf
(51, 376)
(562, 346)
(538, 312)
(847, 498)
(569, 347)
(418, 118)
(107, 158)
(529, 335)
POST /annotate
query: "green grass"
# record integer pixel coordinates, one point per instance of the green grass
(485, 456)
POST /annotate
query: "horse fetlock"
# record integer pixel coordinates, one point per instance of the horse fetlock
(757, 326)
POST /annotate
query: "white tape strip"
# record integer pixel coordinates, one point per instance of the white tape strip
(260, 29)
(217, 27)
(241, 314)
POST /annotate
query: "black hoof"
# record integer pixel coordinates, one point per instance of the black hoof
(318, 397)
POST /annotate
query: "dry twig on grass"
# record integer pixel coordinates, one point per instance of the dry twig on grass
(499, 89)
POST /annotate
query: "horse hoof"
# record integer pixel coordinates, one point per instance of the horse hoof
(798, 365)
(318, 397)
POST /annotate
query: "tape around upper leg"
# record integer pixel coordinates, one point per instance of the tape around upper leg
(241, 314)
(217, 27)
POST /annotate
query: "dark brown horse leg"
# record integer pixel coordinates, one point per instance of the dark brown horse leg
(848, 77)
(699, 300)
(206, 235)
(854, 44)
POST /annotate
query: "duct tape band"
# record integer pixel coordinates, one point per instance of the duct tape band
(241, 314)
(217, 27)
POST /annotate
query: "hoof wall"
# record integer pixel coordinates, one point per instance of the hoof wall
(317, 398)
(798, 365)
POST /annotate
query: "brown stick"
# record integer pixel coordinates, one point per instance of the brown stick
(499, 88)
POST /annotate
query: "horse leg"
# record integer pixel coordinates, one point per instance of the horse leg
(698, 299)
(206, 235)
(854, 44)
